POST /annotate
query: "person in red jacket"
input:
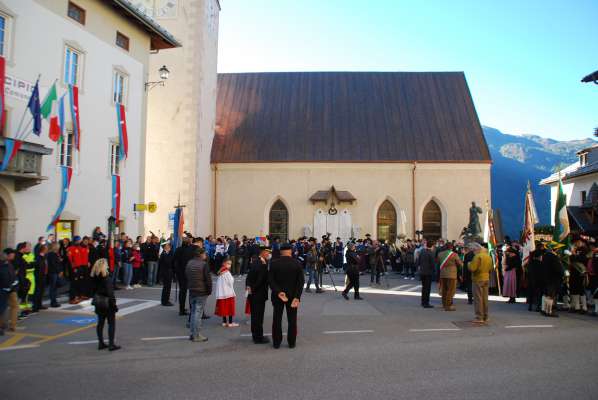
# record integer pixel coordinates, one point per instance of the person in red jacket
(78, 254)
(137, 262)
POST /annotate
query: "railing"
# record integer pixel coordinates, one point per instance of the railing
(26, 167)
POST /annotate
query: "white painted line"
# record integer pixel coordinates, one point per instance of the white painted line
(339, 332)
(148, 339)
(138, 307)
(84, 342)
(25, 346)
(399, 287)
(435, 330)
(528, 326)
(414, 289)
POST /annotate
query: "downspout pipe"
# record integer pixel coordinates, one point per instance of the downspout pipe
(215, 201)
(413, 197)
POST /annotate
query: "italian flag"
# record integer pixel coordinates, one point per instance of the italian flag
(561, 219)
(49, 108)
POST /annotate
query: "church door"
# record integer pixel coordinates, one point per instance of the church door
(279, 221)
(387, 222)
(432, 221)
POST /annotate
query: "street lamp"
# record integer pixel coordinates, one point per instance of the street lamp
(164, 74)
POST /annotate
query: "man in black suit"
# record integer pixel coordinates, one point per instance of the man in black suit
(257, 287)
(286, 280)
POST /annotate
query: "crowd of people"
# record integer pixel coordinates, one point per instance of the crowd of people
(93, 268)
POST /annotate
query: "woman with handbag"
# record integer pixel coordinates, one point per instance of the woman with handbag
(105, 303)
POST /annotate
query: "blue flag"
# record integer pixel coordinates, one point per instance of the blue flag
(35, 109)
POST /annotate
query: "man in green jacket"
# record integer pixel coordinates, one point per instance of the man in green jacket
(449, 263)
(480, 268)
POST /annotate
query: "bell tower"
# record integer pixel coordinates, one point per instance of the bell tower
(181, 115)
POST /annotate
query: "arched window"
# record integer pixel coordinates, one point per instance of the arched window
(279, 221)
(432, 221)
(387, 222)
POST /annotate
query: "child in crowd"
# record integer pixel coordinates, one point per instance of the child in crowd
(137, 261)
(225, 295)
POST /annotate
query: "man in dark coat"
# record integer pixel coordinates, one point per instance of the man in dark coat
(552, 276)
(534, 279)
(257, 286)
(286, 280)
(166, 267)
(181, 258)
(426, 267)
(352, 273)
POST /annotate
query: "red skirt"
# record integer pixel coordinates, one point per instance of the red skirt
(225, 307)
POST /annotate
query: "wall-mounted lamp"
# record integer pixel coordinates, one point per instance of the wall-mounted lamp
(164, 73)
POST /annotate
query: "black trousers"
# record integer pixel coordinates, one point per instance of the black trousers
(167, 279)
(353, 282)
(426, 287)
(182, 291)
(40, 283)
(111, 327)
(258, 307)
(279, 308)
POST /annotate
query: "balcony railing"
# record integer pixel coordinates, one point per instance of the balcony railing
(26, 167)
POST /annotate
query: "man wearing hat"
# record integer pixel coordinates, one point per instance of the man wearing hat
(166, 267)
(257, 289)
(352, 273)
(286, 280)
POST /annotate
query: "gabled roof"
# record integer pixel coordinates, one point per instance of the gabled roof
(160, 37)
(570, 172)
(346, 117)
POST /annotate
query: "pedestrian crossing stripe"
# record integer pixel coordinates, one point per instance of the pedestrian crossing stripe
(125, 307)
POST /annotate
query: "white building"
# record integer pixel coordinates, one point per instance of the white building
(103, 47)
(578, 179)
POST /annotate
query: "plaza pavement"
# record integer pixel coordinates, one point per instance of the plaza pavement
(386, 347)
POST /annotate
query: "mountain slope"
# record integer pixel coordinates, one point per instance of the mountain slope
(519, 159)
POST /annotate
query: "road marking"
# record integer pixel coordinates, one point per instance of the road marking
(24, 346)
(148, 339)
(11, 341)
(528, 326)
(435, 330)
(339, 332)
(399, 287)
(413, 289)
(84, 342)
(129, 310)
(63, 334)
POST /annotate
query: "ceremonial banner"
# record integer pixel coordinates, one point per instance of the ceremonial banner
(2, 95)
(116, 197)
(179, 223)
(122, 131)
(67, 174)
(35, 109)
(530, 220)
(74, 98)
(11, 148)
(561, 219)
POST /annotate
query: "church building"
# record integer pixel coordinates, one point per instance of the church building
(392, 154)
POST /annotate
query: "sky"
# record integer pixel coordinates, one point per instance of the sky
(523, 60)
